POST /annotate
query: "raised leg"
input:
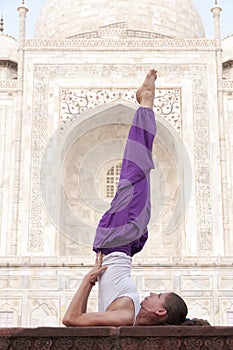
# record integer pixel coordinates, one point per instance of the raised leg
(124, 226)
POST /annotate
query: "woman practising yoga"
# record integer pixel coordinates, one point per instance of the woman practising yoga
(121, 233)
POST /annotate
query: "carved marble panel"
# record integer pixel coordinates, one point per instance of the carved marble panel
(155, 283)
(43, 311)
(73, 102)
(13, 306)
(10, 282)
(196, 283)
(200, 306)
(8, 84)
(39, 140)
(225, 283)
(43, 283)
(45, 75)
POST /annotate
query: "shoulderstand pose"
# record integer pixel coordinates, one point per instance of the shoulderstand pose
(121, 233)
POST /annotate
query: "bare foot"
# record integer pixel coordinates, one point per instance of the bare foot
(145, 94)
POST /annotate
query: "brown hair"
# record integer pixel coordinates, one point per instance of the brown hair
(176, 309)
(196, 322)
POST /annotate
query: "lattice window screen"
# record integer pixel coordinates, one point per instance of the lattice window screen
(112, 179)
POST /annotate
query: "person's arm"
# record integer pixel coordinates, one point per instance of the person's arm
(78, 304)
(76, 314)
(116, 318)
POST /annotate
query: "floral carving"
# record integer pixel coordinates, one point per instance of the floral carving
(151, 344)
(84, 343)
(167, 103)
(214, 343)
(63, 344)
(106, 343)
(43, 344)
(172, 344)
(230, 343)
(22, 344)
(4, 344)
(129, 344)
(137, 43)
(178, 341)
(228, 84)
(193, 343)
(8, 84)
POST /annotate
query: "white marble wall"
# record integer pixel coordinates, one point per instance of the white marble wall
(201, 230)
(38, 295)
(38, 282)
(8, 113)
(228, 117)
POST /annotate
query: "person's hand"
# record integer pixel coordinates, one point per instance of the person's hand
(97, 269)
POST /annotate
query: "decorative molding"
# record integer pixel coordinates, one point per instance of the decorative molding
(9, 84)
(43, 344)
(118, 30)
(198, 74)
(122, 338)
(121, 43)
(202, 160)
(228, 84)
(73, 102)
(39, 141)
(9, 36)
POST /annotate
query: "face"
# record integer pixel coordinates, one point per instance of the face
(154, 302)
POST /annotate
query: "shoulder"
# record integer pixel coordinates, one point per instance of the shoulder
(123, 302)
(120, 313)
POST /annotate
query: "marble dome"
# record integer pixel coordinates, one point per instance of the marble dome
(9, 48)
(227, 46)
(171, 18)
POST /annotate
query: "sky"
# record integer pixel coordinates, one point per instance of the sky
(8, 8)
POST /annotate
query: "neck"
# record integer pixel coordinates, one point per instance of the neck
(141, 319)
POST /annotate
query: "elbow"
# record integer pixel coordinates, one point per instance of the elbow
(70, 321)
(130, 322)
(67, 322)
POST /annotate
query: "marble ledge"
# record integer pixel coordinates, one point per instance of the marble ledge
(69, 262)
(118, 338)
